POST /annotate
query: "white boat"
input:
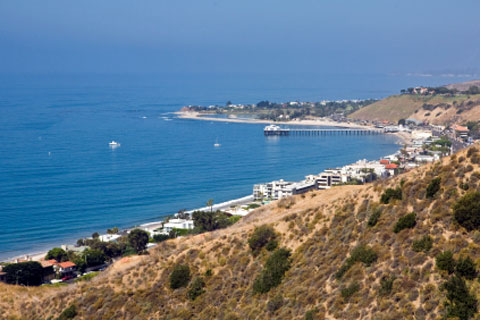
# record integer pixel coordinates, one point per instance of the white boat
(114, 144)
(216, 144)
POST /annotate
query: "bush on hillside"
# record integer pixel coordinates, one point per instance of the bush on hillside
(180, 276)
(445, 261)
(460, 302)
(261, 237)
(406, 222)
(68, 313)
(275, 303)
(467, 211)
(372, 221)
(391, 194)
(196, 288)
(386, 285)
(350, 290)
(272, 274)
(466, 268)
(424, 244)
(433, 187)
(361, 253)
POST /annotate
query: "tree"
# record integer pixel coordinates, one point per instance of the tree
(445, 261)
(460, 302)
(95, 235)
(114, 230)
(210, 204)
(94, 257)
(466, 268)
(138, 239)
(180, 276)
(467, 211)
(68, 313)
(401, 122)
(25, 273)
(208, 221)
(58, 254)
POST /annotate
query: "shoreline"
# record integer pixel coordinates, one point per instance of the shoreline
(36, 256)
(403, 138)
(312, 122)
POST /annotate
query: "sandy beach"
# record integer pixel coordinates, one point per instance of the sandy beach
(312, 122)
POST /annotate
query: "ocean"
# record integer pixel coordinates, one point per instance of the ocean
(60, 180)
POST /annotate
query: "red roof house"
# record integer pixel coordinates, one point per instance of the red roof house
(384, 161)
(391, 166)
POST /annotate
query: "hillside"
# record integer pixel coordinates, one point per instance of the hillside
(435, 109)
(329, 234)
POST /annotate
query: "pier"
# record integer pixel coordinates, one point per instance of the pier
(273, 130)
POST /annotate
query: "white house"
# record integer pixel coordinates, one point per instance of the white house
(178, 224)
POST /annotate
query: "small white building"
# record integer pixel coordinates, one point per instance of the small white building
(280, 189)
(178, 224)
(109, 237)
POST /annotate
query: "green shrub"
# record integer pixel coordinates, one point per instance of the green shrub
(460, 302)
(424, 244)
(433, 187)
(261, 236)
(272, 274)
(466, 268)
(406, 222)
(467, 211)
(361, 253)
(275, 303)
(160, 237)
(28, 273)
(68, 313)
(349, 291)
(180, 276)
(310, 314)
(58, 254)
(386, 285)
(445, 261)
(196, 288)
(138, 239)
(272, 245)
(372, 221)
(391, 194)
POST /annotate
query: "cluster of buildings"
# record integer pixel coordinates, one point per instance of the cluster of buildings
(423, 147)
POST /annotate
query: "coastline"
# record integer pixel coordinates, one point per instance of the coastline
(403, 138)
(312, 122)
(39, 255)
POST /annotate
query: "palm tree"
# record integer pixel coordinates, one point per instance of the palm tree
(210, 204)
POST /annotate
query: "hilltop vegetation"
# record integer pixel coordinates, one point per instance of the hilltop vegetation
(435, 109)
(343, 253)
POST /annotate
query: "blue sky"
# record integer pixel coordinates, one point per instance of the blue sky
(327, 36)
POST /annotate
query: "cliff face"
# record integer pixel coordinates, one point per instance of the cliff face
(346, 260)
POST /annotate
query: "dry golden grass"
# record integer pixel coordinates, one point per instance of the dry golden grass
(320, 229)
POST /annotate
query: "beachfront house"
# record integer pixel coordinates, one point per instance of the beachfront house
(109, 237)
(48, 269)
(66, 268)
(280, 189)
(178, 224)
